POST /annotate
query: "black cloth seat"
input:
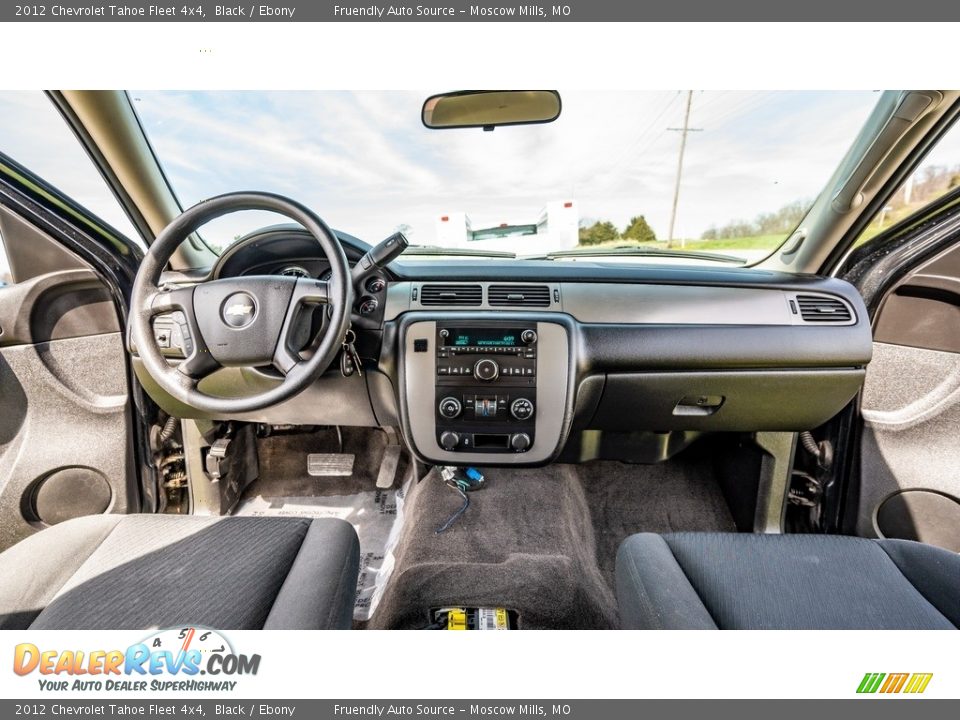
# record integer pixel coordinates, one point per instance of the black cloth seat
(148, 571)
(742, 581)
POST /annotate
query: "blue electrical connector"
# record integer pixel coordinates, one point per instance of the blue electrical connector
(474, 474)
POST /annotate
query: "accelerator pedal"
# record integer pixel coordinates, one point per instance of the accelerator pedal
(388, 467)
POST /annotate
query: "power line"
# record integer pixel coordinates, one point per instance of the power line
(684, 131)
(627, 154)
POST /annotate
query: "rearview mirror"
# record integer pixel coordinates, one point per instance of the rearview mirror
(490, 108)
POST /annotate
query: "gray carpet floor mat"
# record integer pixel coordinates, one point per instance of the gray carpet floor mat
(676, 496)
(525, 543)
(540, 541)
(283, 463)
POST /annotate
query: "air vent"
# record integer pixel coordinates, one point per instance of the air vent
(460, 295)
(820, 309)
(518, 295)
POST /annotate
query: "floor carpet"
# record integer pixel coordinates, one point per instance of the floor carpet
(541, 541)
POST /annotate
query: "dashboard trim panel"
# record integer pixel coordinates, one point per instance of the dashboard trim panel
(555, 363)
(642, 303)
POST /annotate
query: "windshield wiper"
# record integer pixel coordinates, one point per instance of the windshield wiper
(437, 250)
(637, 251)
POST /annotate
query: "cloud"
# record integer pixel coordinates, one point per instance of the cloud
(365, 163)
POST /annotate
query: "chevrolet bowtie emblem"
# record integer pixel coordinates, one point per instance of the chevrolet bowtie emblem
(239, 310)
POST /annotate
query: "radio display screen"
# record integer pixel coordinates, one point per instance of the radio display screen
(484, 337)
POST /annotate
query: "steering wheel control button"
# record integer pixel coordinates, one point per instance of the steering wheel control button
(529, 336)
(450, 407)
(238, 310)
(449, 440)
(520, 442)
(163, 337)
(486, 370)
(521, 409)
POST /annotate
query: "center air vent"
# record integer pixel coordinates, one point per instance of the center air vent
(518, 295)
(820, 309)
(461, 295)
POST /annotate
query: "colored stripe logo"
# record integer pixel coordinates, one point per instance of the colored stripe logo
(888, 683)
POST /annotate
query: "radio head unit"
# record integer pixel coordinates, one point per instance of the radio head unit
(487, 353)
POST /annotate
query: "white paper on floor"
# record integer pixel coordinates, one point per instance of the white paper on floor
(377, 517)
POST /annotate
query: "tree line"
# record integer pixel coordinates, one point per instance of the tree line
(778, 222)
(601, 232)
(930, 183)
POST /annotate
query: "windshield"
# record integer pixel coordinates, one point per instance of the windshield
(605, 178)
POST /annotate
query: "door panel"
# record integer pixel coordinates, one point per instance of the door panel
(58, 305)
(64, 400)
(910, 453)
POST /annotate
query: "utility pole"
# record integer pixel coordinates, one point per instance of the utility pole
(683, 146)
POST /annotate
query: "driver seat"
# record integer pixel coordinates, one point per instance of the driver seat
(148, 571)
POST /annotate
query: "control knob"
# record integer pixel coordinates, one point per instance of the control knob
(520, 442)
(529, 336)
(450, 407)
(486, 370)
(449, 440)
(376, 284)
(521, 409)
(368, 305)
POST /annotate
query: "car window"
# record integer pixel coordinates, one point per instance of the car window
(33, 133)
(605, 180)
(937, 174)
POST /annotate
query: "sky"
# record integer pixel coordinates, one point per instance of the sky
(365, 163)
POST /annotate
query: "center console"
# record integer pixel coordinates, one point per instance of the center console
(485, 391)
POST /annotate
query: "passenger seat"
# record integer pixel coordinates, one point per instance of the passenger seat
(733, 581)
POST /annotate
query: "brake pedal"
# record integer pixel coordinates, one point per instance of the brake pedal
(330, 464)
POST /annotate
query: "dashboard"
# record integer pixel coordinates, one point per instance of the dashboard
(511, 362)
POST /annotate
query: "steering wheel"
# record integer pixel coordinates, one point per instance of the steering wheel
(249, 321)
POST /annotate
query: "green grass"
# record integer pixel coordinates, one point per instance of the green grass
(756, 242)
(889, 219)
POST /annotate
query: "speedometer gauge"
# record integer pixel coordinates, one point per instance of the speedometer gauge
(294, 271)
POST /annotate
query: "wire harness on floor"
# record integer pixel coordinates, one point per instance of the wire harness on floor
(465, 481)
